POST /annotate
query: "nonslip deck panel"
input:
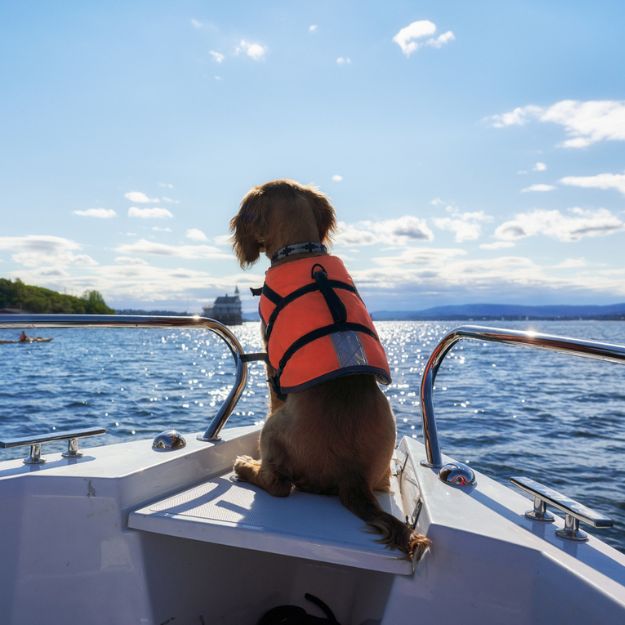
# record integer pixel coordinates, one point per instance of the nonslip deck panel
(228, 512)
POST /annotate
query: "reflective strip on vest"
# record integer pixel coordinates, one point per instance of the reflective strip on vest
(316, 326)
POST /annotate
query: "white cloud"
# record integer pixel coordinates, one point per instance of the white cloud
(195, 234)
(517, 117)
(130, 260)
(419, 34)
(584, 122)
(140, 198)
(600, 181)
(149, 213)
(538, 188)
(97, 213)
(196, 23)
(343, 60)
(337, 178)
(400, 231)
(313, 28)
(254, 51)
(441, 40)
(166, 185)
(49, 252)
(539, 166)
(190, 252)
(218, 57)
(496, 245)
(426, 257)
(431, 274)
(576, 224)
(160, 229)
(465, 226)
(407, 36)
(169, 200)
(571, 263)
(223, 239)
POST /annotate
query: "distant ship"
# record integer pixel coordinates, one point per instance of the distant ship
(226, 309)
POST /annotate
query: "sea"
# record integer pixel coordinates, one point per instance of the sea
(504, 410)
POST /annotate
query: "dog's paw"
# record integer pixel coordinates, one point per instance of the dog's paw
(246, 467)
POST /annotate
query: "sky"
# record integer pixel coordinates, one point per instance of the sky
(473, 151)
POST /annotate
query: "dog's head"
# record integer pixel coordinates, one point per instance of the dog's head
(277, 213)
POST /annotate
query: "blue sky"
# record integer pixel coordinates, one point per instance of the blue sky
(474, 151)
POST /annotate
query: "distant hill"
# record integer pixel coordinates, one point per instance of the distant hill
(17, 297)
(505, 311)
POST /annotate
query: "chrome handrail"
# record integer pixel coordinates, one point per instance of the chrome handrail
(36, 441)
(152, 321)
(579, 347)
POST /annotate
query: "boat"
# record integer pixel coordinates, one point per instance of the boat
(34, 339)
(226, 309)
(159, 531)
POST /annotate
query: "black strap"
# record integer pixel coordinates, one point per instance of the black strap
(336, 306)
(271, 295)
(254, 356)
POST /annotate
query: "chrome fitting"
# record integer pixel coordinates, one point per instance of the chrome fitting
(168, 440)
(457, 474)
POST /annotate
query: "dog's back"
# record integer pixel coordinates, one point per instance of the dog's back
(338, 427)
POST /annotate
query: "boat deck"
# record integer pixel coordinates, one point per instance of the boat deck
(226, 511)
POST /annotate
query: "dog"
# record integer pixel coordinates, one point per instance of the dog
(327, 432)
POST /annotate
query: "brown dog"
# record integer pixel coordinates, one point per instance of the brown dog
(337, 436)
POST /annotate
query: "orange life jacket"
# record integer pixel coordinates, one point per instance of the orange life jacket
(316, 326)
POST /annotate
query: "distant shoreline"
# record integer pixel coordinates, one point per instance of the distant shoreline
(507, 312)
(501, 318)
(459, 313)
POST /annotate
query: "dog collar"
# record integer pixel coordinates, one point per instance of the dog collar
(299, 248)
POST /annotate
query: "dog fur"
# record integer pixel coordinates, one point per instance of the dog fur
(336, 438)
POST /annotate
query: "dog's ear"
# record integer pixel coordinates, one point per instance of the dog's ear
(247, 228)
(324, 215)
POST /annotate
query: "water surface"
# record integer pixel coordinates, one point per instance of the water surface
(505, 410)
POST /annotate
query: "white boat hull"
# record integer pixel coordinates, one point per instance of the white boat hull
(128, 535)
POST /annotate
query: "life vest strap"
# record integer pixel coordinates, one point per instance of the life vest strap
(268, 292)
(344, 326)
(333, 301)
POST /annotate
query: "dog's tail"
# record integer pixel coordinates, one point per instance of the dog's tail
(356, 495)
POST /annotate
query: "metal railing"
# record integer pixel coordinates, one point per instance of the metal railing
(36, 441)
(146, 321)
(589, 349)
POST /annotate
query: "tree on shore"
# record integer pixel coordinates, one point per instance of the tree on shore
(95, 304)
(36, 299)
